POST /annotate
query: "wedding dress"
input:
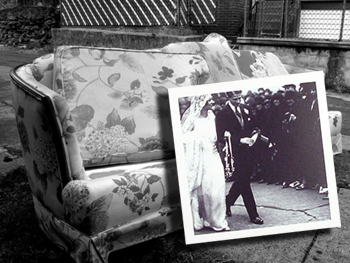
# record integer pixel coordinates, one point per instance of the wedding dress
(206, 180)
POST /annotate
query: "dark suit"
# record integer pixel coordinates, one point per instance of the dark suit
(226, 120)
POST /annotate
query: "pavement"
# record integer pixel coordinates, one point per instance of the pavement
(277, 206)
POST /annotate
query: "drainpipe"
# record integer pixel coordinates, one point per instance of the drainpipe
(245, 19)
(342, 21)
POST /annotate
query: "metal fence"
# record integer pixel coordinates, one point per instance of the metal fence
(137, 12)
(296, 19)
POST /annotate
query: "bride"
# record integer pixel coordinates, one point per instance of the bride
(205, 173)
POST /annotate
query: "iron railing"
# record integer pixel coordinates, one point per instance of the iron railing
(137, 12)
(298, 19)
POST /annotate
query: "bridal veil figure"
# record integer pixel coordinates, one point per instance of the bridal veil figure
(205, 173)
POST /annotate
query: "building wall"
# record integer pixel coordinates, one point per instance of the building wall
(229, 19)
(331, 58)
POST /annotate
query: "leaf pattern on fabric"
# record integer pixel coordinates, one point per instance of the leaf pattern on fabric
(78, 78)
(81, 116)
(130, 62)
(112, 79)
(110, 133)
(75, 52)
(129, 124)
(153, 143)
(96, 54)
(165, 73)
(136, 84)
(40, 177)
(136, 197)
(113, 119)
(110, 62)
(23, 136)
(97, 219)
(180, 80)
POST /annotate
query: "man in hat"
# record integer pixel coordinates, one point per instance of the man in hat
(235, 122)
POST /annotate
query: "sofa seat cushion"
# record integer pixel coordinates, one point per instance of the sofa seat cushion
(118, 99)
(116, 195)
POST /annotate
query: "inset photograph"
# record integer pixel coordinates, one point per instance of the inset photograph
(254, 157)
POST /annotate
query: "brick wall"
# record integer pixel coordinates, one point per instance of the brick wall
(229, 19)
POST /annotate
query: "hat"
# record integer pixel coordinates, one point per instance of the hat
(250, 101)
(259, 99)
(307, 87)
(267, 99)
(237, 94)
(277, 96)
(288, 86)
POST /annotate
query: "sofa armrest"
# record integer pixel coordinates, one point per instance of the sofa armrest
(42, 69)
(64, 121)
(121, 194)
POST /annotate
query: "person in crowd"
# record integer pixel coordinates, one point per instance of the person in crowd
(278, 113)
(205, 173)
(289, 154)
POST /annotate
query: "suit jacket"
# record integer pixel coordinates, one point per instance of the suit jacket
(226, 120)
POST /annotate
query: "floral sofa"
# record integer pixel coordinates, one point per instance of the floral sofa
(94, 125)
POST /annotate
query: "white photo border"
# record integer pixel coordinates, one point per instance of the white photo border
(276, 81)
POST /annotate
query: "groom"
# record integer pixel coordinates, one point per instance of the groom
(234, 121)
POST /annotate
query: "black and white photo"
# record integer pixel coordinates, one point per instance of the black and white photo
(254, 157)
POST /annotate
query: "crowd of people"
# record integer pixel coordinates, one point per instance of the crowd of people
(289, 149)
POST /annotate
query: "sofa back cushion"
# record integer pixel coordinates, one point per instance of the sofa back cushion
(218, 54)
(118, 99)
(253, 64)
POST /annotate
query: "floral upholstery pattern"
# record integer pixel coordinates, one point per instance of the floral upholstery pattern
(137, 190)
(42, 69)
(68, 134)
(252, 64)
(216, 51)
(118, 99)
(110, 107)
(335, 123)
(40, 155)
(97, 248)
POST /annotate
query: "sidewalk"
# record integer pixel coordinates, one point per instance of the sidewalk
(312, 246)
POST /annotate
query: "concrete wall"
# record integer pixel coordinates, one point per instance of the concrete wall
(333, 58)
(123, 37)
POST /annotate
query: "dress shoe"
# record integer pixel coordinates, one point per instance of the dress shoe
(257, 220)
(323, 190)
(300, 187)
(228, 211)
(295, 184)
(285, 185)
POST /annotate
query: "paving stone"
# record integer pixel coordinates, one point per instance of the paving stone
(333, 245)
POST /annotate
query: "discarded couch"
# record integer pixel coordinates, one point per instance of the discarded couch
(94, 125)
